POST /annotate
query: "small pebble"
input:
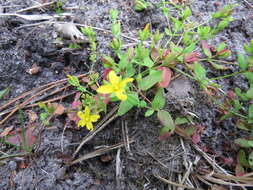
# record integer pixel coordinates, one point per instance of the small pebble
(12, 165)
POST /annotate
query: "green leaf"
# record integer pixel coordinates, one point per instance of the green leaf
(127, 105)
(150, 80)
(186, 13)
(221, 46)
(199, 71)
(218, 66)
(116, 29)
(241, 157)
(140, 5)
(249, 93)
(250, 114)
(239, 170)
(204, 32)
(166, 120)
(250, 158)
(4, 92)
(114, 14)
(190, 48)
(249, 76)
(123, 61)
(132, 97)
(181, 121)
(244, 143)
(73, 80)
(149, 113)
(242, 62)
(124, 107)
(147, 62)
(142, 104)
(159, 100)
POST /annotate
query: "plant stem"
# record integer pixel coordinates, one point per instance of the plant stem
(229, 75)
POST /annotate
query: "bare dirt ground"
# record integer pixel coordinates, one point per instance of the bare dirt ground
(149, 159)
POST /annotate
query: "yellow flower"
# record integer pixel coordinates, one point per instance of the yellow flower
(86, 119)
(116, 85)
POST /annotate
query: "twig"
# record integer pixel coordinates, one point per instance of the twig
(99, 152)
(251, 6)
(125, 136)
(222, 182)
(14, 155)
(36, 6)
(109, 118)
(118, 170)
(173, 183)
(157, 159)
(27, 101)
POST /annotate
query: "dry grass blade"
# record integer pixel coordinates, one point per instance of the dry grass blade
(251, 6)
(186, 176)
(216, 168)
(125, 136)
(14, 155)
(37, 92)
(36, 6)
(222, 182)
(109, 117)
(99, 152)
(173, 183)
(243, 179)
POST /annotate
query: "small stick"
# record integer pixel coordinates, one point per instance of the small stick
(36, 6)
(98, 152)
(251, 6)
(22, 105)
(172, 183)
(36, 89)
(125, 136)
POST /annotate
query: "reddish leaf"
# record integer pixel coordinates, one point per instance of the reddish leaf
(6, 131)
(239, 170)
(165, 53)
(106, 98)
(196, 138)
(166, 77)
(231, 94)
(191, 57)
(30, 137)
(154, 54)
(227, 161)
(76, 103)
(59, 109)
(73, 117)
(197, 133)
(15, 139)
(224, 52)
(106, 72)
(165, 136)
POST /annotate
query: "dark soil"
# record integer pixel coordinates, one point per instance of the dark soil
(23, 45)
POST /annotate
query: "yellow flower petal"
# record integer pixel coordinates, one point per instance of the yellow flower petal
(81, 123)
(124, 82)
(86, 112)
(113, 78)
(120, 94)
(94, 118)
(105, 89)
(80, 114)
(89, 126)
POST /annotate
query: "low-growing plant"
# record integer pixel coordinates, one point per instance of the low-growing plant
(137, 77)
(88, 31)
